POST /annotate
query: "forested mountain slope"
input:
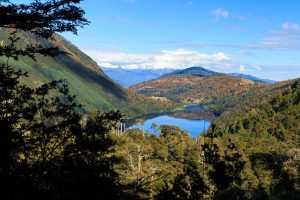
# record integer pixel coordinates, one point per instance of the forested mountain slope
(93, 88)
(267, 126)
(250, 98)
(193, 89)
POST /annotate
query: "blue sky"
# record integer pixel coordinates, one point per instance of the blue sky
(258, 37)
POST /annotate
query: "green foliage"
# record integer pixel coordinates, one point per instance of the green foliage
(250, 152)
(269, 126)
(151, 162)
(48, 150)
(226, 173)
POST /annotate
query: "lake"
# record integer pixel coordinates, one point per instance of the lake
(192, 107)
(195, 127)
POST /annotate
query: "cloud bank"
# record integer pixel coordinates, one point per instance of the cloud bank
(287, 38)
(181, 59)
(290, 26)
(176, 59)
(220, 14)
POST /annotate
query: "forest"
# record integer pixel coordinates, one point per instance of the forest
(50, 149)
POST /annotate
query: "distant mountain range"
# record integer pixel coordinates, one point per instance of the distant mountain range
(130, 77)
(253, 78)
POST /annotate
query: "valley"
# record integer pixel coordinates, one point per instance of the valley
(137, 117)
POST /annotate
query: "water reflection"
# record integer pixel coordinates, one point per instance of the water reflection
(195, 127)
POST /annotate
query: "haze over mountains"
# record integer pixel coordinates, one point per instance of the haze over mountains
(128, 77)
(253, 78)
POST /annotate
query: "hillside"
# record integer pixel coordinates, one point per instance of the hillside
(266, 126)
(274, 108)
(193, 89)
(93, 88)
(247, 99)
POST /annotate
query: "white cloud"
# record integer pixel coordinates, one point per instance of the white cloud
(242, 68)
(287, 38)
(290, 27)
(176, 59)
(279, 41)
(278, 73)
(220, 13)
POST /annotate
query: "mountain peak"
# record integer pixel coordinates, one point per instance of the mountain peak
(196, 70)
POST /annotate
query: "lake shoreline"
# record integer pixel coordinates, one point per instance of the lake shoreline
(193, 118)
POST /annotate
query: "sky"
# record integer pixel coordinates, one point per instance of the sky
(257, 37)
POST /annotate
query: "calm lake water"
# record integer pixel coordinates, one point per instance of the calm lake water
(193, 107)
(195, 127)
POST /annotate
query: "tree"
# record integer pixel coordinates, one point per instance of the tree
(139, 170)
(226, 173)
(44, 143)
(15, 101)
(53, 127)
(42, 18)
(87, 163)
(154, 126)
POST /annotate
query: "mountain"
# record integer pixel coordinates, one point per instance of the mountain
(199, 71)
(195, 88)
(252, 78)
(93, 88)
(129, 77)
